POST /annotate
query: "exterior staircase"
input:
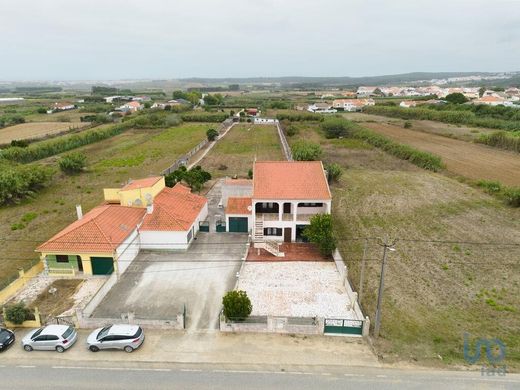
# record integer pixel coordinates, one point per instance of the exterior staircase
(259, 242)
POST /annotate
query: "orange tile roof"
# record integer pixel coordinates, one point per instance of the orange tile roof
(102, 229)
(239, 182)
(174, 209)
(290, 180)
(141, 183)
(239, 206)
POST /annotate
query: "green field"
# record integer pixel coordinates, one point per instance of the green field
(110, 163)
(442, 281)
(235, 153)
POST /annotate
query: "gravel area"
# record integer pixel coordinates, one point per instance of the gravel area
(296, 289)
(32, 289)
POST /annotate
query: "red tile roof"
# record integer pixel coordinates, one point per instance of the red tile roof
(174, 209)
(290, 180)
(102, 229)
(239, 206)
(141, 183)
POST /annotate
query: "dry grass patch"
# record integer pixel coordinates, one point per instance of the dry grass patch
(33, 130)
(53, 304)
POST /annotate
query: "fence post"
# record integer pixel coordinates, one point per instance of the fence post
(366, 327)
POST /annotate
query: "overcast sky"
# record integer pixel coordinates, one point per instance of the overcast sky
(113, 39)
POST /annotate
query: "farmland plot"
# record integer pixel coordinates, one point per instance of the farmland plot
(35, 130)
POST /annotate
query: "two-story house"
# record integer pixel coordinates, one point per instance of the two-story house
(286, 194)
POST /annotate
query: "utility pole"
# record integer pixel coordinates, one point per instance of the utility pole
(386, 247)
(362, 276)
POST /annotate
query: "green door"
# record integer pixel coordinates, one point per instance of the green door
(238, 225)
(102, 265)
(343, 326)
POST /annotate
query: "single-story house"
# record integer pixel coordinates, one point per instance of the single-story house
(132, 106)
(352, 104)
(321, 107)
(142, 214)
(493, 101)
(407, 104)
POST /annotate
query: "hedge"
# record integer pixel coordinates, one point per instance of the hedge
(205, 117)
(300, 117)
(421, 159)
(502, 140)
(466, 116)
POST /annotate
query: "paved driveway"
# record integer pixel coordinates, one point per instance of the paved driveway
(158, 284)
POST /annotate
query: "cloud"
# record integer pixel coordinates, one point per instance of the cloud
(96, 39)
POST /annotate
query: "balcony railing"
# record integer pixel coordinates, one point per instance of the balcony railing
(285, 217)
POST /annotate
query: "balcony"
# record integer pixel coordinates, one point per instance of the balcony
(286, 217)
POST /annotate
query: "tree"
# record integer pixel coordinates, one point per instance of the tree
(17, 313)
(72, 163)
(174, 177)
(481, 91)
(320, 233)
(237, 305)
(212, 134)
(306, 151)
(337, 127)
(195, 177)
(213, 100)
(334, 172)
(456, 98)
(250, 174)
(179, 95)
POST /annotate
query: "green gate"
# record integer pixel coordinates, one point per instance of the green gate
(238, 225)
(102, 265)
(204, 226)
(343, 326)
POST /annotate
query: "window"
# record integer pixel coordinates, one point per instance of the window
(62, 259)
(68, 332)
(272, 231)
(52, 337)
(310, 204)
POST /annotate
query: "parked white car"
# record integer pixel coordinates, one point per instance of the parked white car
(126, 337)
(50, 338)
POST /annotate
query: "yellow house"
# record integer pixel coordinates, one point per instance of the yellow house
(137, 193)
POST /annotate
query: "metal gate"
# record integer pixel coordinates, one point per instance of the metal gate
(238, 225)
(204, 226)
(343, 326)
(102, 265)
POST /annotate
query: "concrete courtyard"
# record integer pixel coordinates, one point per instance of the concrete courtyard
(296, 289)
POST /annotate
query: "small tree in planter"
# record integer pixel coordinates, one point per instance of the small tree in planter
(237, 305)
(17, 313)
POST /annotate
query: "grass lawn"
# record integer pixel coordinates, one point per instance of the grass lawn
(434, 291)
(111, 162)
(235, 153)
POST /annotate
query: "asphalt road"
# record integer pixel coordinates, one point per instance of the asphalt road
(84, 375)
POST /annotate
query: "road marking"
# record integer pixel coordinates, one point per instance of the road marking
(111, 368)
(190, 370)
(325, 373)
(353, 374)
(382, 376)
(25, 366)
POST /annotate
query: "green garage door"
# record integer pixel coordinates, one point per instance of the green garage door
(102, 265)
(238, 225)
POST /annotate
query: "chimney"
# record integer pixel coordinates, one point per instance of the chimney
(149, 208)
(79, 211)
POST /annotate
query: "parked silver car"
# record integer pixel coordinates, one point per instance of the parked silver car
(50, 338)
(126, 337)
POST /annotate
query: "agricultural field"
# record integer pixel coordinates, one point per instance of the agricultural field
(235, 153)
(133, 154)
(35, 130)
(449, 274)
(465, 133)
(465, 159)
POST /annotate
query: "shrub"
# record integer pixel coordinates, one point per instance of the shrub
(28, 217)
(237, 305)
(212, 134)
(512, 196)
(291, 130)
(173, 120)
(320, 232)
(41, 110)
(17, 313)
(306, 151)
(491, 187)
(502, 140)
(250, 174)
(73, 163)
(407, 125)
(20, 143)
(337, 127)
(17, 226)
(456, 98)
(334, 172)
(17, 183)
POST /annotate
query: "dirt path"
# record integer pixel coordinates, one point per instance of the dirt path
(473, 161)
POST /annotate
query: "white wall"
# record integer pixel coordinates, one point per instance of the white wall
(164, 240)
(127, 251)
